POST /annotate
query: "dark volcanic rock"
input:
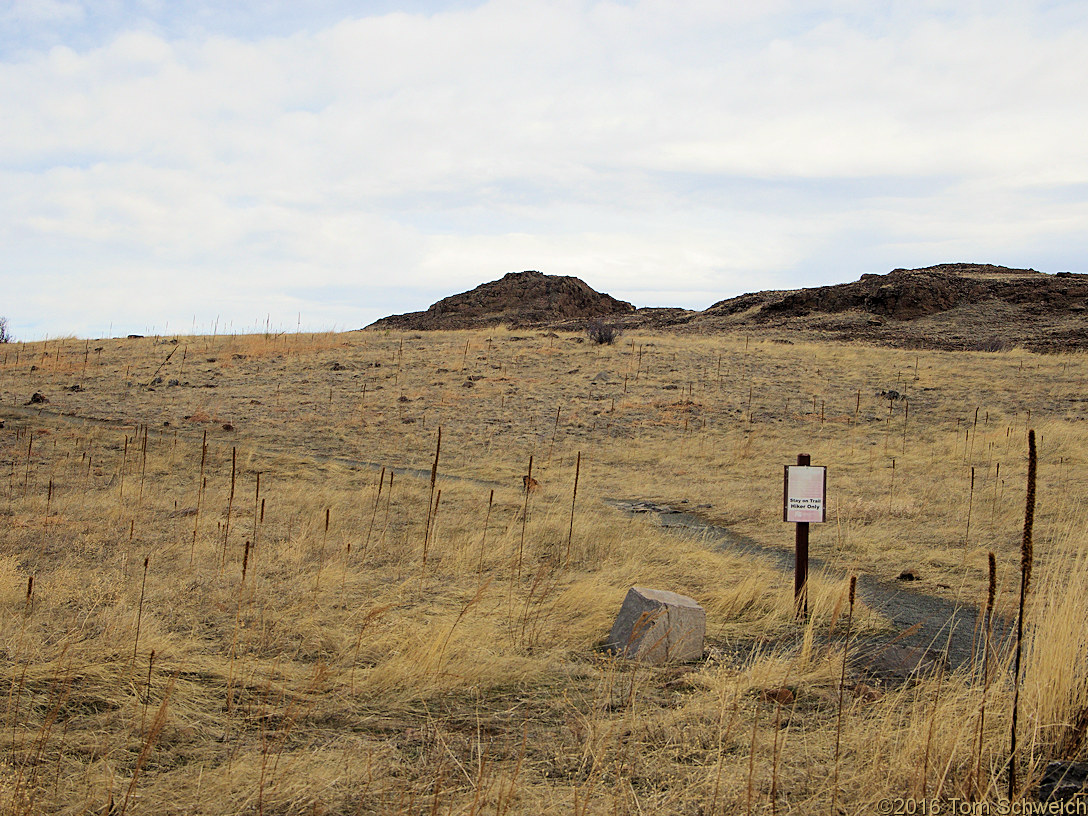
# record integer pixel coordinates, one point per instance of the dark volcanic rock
(1063, 781)
(961, 306)
(907, 294)
(519, 299)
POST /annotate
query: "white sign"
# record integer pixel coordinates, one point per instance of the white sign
(805, 496)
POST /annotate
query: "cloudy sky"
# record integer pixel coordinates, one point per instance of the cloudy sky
(165, 166)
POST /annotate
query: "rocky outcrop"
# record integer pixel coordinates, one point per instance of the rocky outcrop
(519, 299)
(951, 306)
(961, 306)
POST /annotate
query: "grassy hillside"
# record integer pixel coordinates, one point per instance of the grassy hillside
(232, 585)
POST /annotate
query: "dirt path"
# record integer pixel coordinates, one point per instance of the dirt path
(926, 626)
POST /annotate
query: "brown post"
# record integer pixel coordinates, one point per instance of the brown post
(800, 562)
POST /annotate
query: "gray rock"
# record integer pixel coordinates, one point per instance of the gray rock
(655, 626)
(1063, 781)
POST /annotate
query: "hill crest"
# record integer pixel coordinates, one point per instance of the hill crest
(955, 306)
(518, 299)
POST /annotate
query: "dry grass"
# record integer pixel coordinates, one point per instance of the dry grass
(348, 674)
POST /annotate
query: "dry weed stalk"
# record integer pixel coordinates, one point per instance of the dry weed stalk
(574, 496)
(374, 511)
(970, 506)
(432, 507)
(230, 504)
(200, 487)
(929, 736)
(751, 765)
(147, 689)
(256, 507)
(528, 481)
(124, 462)
(434, 521)
(987, 637)
(483, 536)
(149, 743)
(388, 505)
(842, 689)
(1027, 556)
(140, 612)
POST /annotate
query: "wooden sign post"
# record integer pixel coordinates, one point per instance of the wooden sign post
(804, 500)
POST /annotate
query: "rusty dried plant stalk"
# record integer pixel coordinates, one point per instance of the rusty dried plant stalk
(1027, 556)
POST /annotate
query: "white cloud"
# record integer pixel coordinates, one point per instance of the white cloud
(712, 144)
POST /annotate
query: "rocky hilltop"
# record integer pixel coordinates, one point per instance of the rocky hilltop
(961, 306)
(951, 306)
(908, 294)
(519, 299)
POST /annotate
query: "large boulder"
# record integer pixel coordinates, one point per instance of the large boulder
(655, 626)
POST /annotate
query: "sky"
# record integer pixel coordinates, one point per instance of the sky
(189, 167)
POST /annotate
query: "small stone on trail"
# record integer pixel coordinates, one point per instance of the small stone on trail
(1063, 782)
(909, 575)
(780, 695)
(38, 399)
(865, 693)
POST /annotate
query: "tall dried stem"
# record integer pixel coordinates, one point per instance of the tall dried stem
(842, 689)
(374, 511)
(140, 611)
(483, 538)
(230, 503)
(525, 516)
(1027, 556)
(987, 634)
(573, 500)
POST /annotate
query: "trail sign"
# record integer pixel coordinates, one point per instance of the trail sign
(804, 500)
(804, 495)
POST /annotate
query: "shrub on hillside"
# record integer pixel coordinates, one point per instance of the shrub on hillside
(602, 333)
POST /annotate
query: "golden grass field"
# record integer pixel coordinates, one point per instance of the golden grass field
(218, 602)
